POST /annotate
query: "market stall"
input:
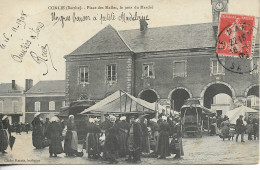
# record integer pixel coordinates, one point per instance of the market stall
(248, 113)
(121, 102)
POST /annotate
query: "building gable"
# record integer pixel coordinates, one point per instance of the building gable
(108, 40)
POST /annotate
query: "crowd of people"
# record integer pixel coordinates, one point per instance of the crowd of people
(115, 137)
(122, 137)
(225, 129)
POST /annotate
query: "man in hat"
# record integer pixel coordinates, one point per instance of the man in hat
(134, 141)
(256, 128)
(240, 128)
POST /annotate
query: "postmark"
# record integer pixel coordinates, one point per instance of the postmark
(236, 42)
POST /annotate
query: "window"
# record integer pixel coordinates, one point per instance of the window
(1, 106)
(148, 71)
(179, 69)
(216, 67)
(15, 106)
(63, 103)
(51, 105)
(84, 75)
(37, 106)
(111, 73)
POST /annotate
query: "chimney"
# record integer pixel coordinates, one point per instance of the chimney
(28, 84)
(143, 25)
(13, 85)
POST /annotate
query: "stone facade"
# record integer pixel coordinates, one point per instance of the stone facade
(160, 48)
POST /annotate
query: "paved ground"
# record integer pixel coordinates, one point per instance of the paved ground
(205, 150)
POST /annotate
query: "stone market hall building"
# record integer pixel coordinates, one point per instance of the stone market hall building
(164, 64)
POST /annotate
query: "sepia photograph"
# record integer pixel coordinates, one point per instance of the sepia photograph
(129, 82)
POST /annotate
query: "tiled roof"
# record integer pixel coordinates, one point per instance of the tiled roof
(170, 38)
(50, 86)
(7, 88)
(107, 40)
(191, 36)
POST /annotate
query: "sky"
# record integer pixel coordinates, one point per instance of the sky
(38, 37)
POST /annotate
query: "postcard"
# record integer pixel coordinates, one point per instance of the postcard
(129, 82)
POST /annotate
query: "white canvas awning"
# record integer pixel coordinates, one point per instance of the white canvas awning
(122, 102)
(242, 110)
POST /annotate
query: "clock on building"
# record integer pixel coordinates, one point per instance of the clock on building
(219, 6)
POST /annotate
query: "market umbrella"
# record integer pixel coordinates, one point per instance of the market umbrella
(11, 141)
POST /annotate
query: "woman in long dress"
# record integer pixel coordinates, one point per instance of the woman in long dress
(224, 132)
(123, 132)
(163, 142)
(37, 133)
(93, 145)
(112, 142)
(5, 133)
(71, 138)
(145, 139)
(54, 134)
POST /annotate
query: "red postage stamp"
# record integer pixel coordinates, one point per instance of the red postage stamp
(236, 35)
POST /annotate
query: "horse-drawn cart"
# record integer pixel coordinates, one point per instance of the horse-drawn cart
(193, 114)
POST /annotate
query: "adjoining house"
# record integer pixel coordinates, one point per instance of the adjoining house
(164, 64)
(46, 97)
(12, 102)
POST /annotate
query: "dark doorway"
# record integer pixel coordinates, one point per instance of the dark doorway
(149, 96)
(253, 91)
(15, 119)
(212, 91)
(177, 99)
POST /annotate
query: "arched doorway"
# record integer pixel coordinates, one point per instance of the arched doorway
(253, 90)
(148, 95)
(252, 96)
(213, 91)
(178, 97)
